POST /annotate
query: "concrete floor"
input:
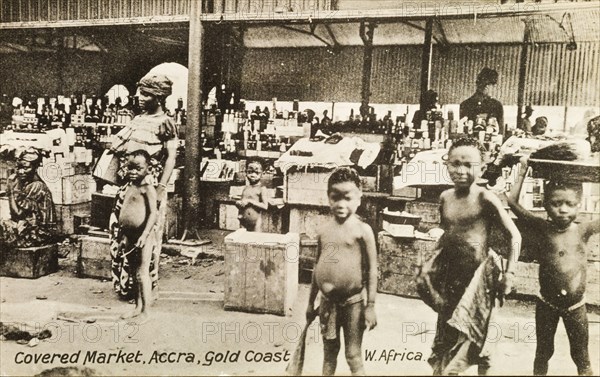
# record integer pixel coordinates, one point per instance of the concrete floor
(189, 319)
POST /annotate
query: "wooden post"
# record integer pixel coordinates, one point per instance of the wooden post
(191, 204)
(366, 34)
(236, 62)
(522, 76)
(426, 61)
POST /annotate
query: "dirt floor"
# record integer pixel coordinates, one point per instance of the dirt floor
(189, 333)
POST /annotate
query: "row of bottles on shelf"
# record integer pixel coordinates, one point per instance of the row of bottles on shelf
(532, 193)
(433, 120)
(37, 114)
(368, 123)
(433, 132)
(42, 113)
(229, 144)
(235, 119)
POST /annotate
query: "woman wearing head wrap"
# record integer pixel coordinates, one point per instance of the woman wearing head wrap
(32, 215)
(154, 132)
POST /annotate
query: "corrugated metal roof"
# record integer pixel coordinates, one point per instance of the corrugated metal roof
(557, 76)
(393, 78)
(548, 28)
(489, 30)
(60, 10)
(454, 70)
(288, 75)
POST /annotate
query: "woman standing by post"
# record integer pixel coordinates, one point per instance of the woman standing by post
(155, 132)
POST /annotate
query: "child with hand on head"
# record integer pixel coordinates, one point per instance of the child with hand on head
(562, 257)
(136, 219)
(346, 264)
(254, 197)
(468, 212)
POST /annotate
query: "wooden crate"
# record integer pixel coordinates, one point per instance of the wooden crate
(94, 258)
(262, 272)
(29, 262)
(398, 261)
(102, 205)
(72, 189)
(307, 186)
(307, 219)
(66, 214)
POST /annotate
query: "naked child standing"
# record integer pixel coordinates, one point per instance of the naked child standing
(346, 265)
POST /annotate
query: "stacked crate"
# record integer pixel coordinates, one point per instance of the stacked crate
(71, 185)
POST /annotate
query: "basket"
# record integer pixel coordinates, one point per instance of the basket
(586, 171)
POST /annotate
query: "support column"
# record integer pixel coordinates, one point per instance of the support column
(366, 34)
(60, 63)
(522, 76)
(191, 202)
(426, 61)
(236, 62)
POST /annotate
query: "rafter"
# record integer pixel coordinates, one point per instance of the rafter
(311, 33)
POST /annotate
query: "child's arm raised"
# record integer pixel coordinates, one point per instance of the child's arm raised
(589, 229)
(150, 195)
(515, 192)
(499, 214)
(370, 248)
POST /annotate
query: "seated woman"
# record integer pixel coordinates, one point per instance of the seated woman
(32, 215)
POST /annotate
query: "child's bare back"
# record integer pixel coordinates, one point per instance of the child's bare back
(339, 270)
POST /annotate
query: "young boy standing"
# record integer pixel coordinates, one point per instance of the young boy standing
(468, 212)
(563, 265)
(136, 220)
(346, 264)
(254, 197)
